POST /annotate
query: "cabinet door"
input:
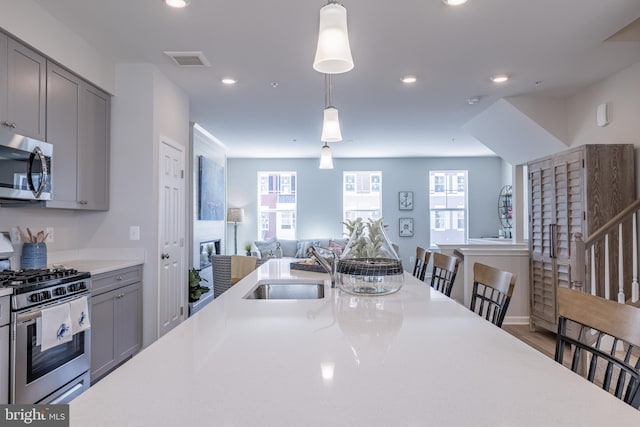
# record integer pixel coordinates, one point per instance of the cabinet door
(93, 149)
(4, 364)
(569, 207)
(26, 74)
(103, 334)
(541, 220)
(129, 320)
(63, 106)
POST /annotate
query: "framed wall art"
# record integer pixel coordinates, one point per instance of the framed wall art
(405, 200)
(406, 227)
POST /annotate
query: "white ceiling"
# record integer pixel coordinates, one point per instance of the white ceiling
(452, 51)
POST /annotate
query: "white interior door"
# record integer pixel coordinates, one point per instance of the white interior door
(171, 291)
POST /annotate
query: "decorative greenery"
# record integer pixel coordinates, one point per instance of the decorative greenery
(209, 250)
(247, 248)
(195, 289)
(367, 237)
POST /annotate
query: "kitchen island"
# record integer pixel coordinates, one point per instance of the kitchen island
(413, 358)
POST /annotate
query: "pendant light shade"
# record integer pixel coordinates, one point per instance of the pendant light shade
(333, 54)
(326, 160)
(331, 126)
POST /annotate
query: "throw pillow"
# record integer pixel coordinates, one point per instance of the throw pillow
(266, 246)
(336, 247)
(303, 247)
(289, 248)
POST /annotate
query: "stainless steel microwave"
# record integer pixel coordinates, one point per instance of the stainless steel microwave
(25, 167)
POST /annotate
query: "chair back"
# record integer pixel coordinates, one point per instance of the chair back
(445, 268)
(604, 335)
(422, 260)
(221, 269)
(492, 290)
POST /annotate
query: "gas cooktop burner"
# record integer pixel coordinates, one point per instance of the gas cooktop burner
(27, 280)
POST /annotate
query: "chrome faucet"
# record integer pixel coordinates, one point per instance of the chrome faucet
(327, 259)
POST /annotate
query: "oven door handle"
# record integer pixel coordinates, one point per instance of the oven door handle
(37, 152)
(34, 314)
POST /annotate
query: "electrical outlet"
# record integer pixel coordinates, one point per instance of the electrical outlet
(134, 232)
(49, 233)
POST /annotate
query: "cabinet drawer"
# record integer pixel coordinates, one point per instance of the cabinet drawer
(115, 279)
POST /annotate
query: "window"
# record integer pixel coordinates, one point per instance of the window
(277, 205)
(362, 195)
(448, 206)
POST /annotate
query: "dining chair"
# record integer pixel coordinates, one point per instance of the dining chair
(422, 260)
(607, 335)
(221, 266)
(443, 274)
(492, 290)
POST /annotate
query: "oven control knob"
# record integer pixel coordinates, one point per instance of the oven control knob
(46, 295)
(34, 297)
(60, 291)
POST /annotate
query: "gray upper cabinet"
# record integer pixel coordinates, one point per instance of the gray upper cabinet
(93, 148)
(63, 107)
(78, 127)
(22, 88)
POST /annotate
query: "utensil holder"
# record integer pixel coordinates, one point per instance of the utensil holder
(34, 255)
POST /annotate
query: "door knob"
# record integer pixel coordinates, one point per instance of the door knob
(164, 256)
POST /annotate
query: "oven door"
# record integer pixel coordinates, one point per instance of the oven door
(39, 376)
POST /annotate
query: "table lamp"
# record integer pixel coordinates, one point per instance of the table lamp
(235, 215)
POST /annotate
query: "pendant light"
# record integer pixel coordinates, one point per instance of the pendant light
(326, 160)
(333, 53)
(331, 124)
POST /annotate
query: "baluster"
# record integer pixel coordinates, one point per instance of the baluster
(577, 262)
(634, 261)
(607, 281)
(621, 297)
(593, 271)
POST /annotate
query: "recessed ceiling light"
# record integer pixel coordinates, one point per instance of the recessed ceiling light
(177, 3)
(229, 81)
(409, 79)
(499, 78)
(454, 2)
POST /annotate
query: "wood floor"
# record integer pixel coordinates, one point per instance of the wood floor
(541, 340)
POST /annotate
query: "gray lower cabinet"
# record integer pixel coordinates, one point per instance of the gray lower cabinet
(4, 350)
(116, 319)
(78, 127)
(22, 88)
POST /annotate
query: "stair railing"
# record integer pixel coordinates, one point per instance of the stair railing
(611, 233)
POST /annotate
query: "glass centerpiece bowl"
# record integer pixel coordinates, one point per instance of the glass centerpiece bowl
(369, 265)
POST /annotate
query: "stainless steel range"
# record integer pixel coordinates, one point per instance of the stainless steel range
(57, 374)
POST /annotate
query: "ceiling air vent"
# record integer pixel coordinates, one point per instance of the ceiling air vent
(188, 59)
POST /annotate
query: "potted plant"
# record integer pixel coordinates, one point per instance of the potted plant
(247, 248)
(195, 289)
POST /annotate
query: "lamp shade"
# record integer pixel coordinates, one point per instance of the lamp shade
(235, 215)
(326, 160)
(333, 54)
(331, 126)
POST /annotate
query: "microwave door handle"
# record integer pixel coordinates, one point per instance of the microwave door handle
(43, 175)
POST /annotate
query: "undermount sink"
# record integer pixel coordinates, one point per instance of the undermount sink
(287, 290)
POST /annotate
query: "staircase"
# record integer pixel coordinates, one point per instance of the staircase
(609, 267)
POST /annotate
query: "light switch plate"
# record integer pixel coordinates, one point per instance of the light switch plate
(134, 232)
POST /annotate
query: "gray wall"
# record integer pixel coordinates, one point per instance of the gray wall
(320, 196)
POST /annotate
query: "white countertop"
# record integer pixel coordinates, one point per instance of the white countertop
(5, 291)
(413, 358)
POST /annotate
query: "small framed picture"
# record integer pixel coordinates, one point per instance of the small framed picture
(405, 200)
(406, 227)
